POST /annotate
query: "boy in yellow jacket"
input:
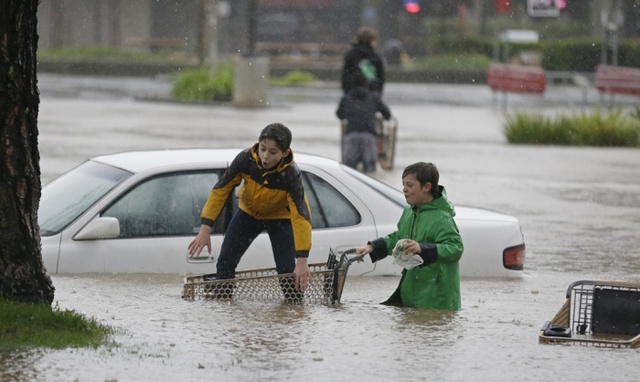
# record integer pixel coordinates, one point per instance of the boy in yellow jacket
(271, 199)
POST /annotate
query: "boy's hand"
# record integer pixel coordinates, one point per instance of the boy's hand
(302, 272)
(412, 246)
(203, 239)
(364, 250)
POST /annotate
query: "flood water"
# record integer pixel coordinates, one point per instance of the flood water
(579, 209)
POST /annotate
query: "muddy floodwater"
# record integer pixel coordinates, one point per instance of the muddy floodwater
(579, 209)
(163, 338)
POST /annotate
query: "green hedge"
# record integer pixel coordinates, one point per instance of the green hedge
(613, 129)
(201, 85)
(564, 46)
(585, 54)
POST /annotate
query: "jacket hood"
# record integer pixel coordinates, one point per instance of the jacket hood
(439, 203)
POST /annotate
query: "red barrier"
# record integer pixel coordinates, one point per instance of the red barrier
(617, 80)
(516, 78)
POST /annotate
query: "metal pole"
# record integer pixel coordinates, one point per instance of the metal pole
(252, 28)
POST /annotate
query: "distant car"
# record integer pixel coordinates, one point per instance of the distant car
(136, 212)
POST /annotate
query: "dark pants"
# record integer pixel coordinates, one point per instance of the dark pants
(360, 147)
(243, 229)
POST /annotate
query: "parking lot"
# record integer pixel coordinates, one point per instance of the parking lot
(578, 207)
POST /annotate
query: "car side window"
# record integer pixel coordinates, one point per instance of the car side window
(329, 208)
(166, 205)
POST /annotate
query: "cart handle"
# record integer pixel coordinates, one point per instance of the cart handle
(353, 259)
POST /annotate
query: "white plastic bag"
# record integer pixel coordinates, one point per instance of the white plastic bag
(404, 258)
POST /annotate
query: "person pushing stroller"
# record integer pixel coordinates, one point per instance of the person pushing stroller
(358, 109)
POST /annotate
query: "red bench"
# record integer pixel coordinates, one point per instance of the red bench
(516, 78)
(617, 80)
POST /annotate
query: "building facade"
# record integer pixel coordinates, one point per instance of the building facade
(230, 27)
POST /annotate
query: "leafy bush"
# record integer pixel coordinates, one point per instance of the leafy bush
(294, 77)
(579, 54)
(452, 62)
(201, 85)
(596, 129)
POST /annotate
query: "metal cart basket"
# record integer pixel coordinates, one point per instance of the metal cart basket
(325, 286)
(597, 313)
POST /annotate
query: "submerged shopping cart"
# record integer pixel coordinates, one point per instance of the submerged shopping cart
(325, 286)
(597, 313)
(386, 134)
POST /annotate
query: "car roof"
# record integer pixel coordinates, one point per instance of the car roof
(146, 160)
(140, 161)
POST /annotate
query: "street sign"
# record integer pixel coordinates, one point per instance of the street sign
(522, 36)
(543, 8)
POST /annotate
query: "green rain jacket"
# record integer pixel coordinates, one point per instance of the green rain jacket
(436, 283)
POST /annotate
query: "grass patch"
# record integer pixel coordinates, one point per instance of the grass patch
(201, 85)
(38, 325)
(293, 78)
(611, 129)
(451, 62)
(106, 54)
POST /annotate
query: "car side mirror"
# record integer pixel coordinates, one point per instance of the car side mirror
(100, 228)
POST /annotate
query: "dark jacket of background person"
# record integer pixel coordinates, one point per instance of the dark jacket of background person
(358, 55)
(359, 107)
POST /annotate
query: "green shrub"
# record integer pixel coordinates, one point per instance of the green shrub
(612, 129)
(452, 62)
(595, 129)
(536, 129)
(629, 52)
(578, 54)
(294, 77)
(201, 85)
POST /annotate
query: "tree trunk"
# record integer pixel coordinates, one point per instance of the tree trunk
(22, 273)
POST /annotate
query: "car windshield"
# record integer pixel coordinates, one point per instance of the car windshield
(384, 189)
(68, 196)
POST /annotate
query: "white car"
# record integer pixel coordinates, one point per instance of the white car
(136, 212)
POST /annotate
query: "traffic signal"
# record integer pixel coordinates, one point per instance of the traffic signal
(411, 6)
(503, 6)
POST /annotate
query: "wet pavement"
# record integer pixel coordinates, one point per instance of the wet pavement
(579, 208)
(159, 88)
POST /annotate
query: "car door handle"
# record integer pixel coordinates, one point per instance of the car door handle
(203, 257)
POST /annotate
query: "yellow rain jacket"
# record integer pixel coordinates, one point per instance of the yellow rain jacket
(265, 194)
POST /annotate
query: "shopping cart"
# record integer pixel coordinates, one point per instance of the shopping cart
(386, 133)
(597, 313)
(325, 286)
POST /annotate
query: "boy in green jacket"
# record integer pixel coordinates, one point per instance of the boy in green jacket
(430, 245)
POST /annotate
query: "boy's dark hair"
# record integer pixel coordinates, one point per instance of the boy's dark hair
(425, 172)
(279, 133)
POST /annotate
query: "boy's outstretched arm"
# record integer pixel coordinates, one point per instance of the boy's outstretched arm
(302, 273)
(203, 239)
